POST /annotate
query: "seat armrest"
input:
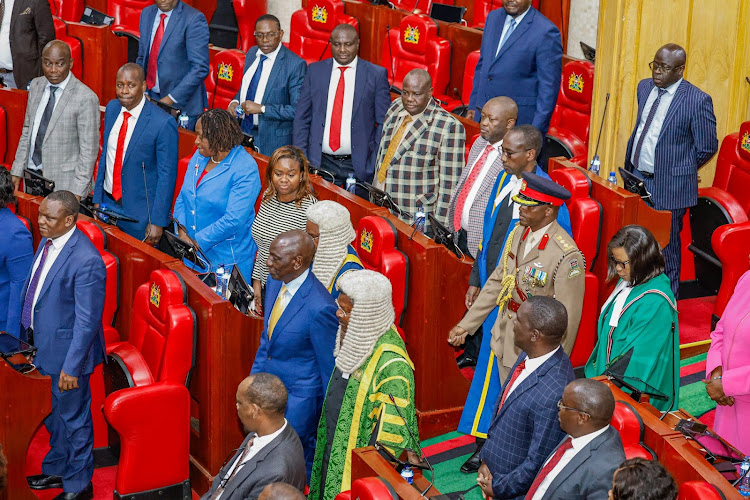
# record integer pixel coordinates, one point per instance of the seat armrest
(132, 360)
(730, 243)
(574, 143)
(726, 201)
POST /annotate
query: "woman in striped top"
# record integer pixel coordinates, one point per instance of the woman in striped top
(282, 208)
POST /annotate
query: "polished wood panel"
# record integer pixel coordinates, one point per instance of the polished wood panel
(367, 462)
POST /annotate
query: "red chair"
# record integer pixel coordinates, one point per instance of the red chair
(467, 84)
(149, 404)
(586, 335)
(182, 166)
(226, 77)
(26, 222)
(127, 14)
(4, 139)
(377, 248)
(416, 44)
(569, 125)
(76, 47)
(484, 7)
(369, 488)
(699, 490)
(310, 28)
(629, 424)
(247, 13)
(67, 10)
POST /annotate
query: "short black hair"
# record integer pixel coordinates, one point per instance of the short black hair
(220, 129)
(7, 189)
(269, 17)
(131, 66)
(267, 391)
(69, 201)
(640, 479)
(595, 398)
(283, 491)
(646, 259)
(548, 315)
(532, 137)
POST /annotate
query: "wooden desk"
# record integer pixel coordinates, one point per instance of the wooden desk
(103, 54)
(367, 462)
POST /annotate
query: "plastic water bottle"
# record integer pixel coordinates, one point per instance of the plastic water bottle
(595, 163)
(351, 183)
(225, 282)
(183, 120)
(219, 274)
(240, 112)
(612, 178)
(407, 474)
(744, 486)
(419, 219)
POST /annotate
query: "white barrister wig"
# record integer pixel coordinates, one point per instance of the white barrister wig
(336, 233)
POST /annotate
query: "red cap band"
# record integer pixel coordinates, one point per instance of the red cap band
(541, 197)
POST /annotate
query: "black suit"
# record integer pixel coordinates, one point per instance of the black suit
(281, 460)
(31, 28)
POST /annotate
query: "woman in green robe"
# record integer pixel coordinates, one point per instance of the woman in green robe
(638, 337)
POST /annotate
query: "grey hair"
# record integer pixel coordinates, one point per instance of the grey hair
(336, 233)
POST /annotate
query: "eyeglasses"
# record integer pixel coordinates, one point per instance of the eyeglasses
(619, 263)
(341, 308)
(509, 154)
(561, 406)
(663, 68)
(266, 36)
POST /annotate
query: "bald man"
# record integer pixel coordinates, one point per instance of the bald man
(281, 491)
(421, 152)
(299, 333)
(60, 136)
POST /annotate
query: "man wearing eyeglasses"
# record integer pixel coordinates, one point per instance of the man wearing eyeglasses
(270, 89)
(674, 136)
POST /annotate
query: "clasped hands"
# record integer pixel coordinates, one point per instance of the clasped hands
(249, 107)
(715, 389)
(484, 480)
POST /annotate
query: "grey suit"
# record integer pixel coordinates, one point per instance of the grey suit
(589, 475)
(281, 460)
(71, 144)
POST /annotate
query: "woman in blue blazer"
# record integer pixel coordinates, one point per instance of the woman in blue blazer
(216, 203)
(16, 257)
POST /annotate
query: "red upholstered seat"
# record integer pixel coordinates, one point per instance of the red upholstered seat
(570, 120)
(26, 222)
(247, 12)
(468, 82)
(416, 44)
(310, 28)
(127, 14)
(699, 490)
(182, 166)
(369, 488)
(76, 47)
(376, 246)
(483, 7)
(630, 426)
(67, 10)
(585, 212)
(156, 360)
(225, 76)
(4, 138)
(730, 243)
(586, 336)
(733, 166)
(99, 238)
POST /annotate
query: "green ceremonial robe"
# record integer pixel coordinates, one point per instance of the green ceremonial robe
(367, 408)
(645, 326)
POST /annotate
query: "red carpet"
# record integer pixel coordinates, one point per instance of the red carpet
(695, 318)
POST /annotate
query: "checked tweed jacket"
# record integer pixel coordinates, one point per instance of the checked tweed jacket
(427, 163)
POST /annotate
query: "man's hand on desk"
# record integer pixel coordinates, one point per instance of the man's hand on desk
(153, 234)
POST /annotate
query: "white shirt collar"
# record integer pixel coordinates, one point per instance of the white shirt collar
(535, 236)
(673, 88)
(534, 363)
(519, 17)
(60, 241)
(352, 65)
(271, 56)
(264, 440)
(581, 441)
(60, 85)
(294, 285)
(136, 111)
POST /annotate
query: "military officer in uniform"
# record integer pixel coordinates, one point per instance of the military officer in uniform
(541, 259)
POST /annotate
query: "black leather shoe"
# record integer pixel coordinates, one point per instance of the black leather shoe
(472, 464)
(464, 361)
(43, 482)
(85, 494)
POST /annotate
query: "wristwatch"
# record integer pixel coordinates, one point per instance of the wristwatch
(262, 109)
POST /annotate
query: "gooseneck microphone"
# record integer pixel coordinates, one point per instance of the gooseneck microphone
(415, 441)
(595, 159)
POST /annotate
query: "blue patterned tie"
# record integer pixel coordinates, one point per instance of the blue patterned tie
(29, 301)
(507, 35)
(649, 119)
(247, 123)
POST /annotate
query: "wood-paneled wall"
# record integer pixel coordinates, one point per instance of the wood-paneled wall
(716, 37)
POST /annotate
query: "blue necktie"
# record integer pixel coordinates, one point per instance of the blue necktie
(247, 123)
(507, 35)
(36, 157)
(649, 119)
(28, 302)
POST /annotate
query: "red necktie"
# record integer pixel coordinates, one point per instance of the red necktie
(516, 374)
(334, 138)
(117, 169)
(466, 189)
(565, 446)
(153, 54)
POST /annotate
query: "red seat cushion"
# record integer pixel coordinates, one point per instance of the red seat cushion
(733, 166)
(586, 336)
(630, 426)
(373, 488)
(571, 117)
(483, 7)
(698, 490)
(468, 82)
(4, 136)
(226, 76)
(247, 13)
(67, 10)
(127, 14)
(76, 47)
(112, 265)
(310, 28)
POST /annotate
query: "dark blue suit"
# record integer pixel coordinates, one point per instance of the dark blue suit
(153, 145)
(280, 99)
(526, 429)
(371, 101)
(300, 353)
(527, 69)
(686, 142)
(69, 336)
(16, 258)
(183, 57)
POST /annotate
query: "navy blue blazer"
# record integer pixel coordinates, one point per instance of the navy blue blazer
(183, 56)
(280, 99)
(16, 259)
(300, 351)
(371, 101)
(686, 142)
(68, 313)
(526, 430)
(527, 69)
(153, 145)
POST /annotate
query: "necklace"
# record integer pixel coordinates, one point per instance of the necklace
(215, 161)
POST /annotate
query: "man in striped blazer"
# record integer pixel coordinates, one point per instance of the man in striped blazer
(421, 153)
(674, 136)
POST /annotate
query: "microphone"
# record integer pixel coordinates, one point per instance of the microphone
(416, 441)
(318, 171)
(328, 42)
(196, 248)
(390, 52)
(458, 94)
(416, 4)
(148, 204)
(674, 382)
(595, 159)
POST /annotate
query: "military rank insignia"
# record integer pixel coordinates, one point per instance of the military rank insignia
(155, 297)
(745, 144)
(319, 14)
(226, 72)
(411, 34)
(366, 240)
(575, 270)
(575, 83)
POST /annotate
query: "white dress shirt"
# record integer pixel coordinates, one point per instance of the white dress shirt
(491, 157)
(40, 111)
(620, 295)
(114, 134)
(6, 60)
(578, 444)
(291, 290)
(648, 148)
(261, 90)
(347, 110)
(54, 250)
(530, 367)
(506, 27)
(154, 28)
(533, 239)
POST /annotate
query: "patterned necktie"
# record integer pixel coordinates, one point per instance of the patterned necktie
(252, 89)
(466, 189)
(392, 147)
(222, 486)
(117, 168)
(278, 309)
(2, 10)
(334, 137)
(565, 446)
(28, 303)
(43, 124)
(644, 132)
(507, 35)
(153, 54)
(516, 374)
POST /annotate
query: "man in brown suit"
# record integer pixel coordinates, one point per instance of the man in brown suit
(541, 259)
(25, 28)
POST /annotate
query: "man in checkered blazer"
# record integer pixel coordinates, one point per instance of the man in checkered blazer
(525, 427)
(421, 153)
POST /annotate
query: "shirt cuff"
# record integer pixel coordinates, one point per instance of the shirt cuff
(173, 99)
